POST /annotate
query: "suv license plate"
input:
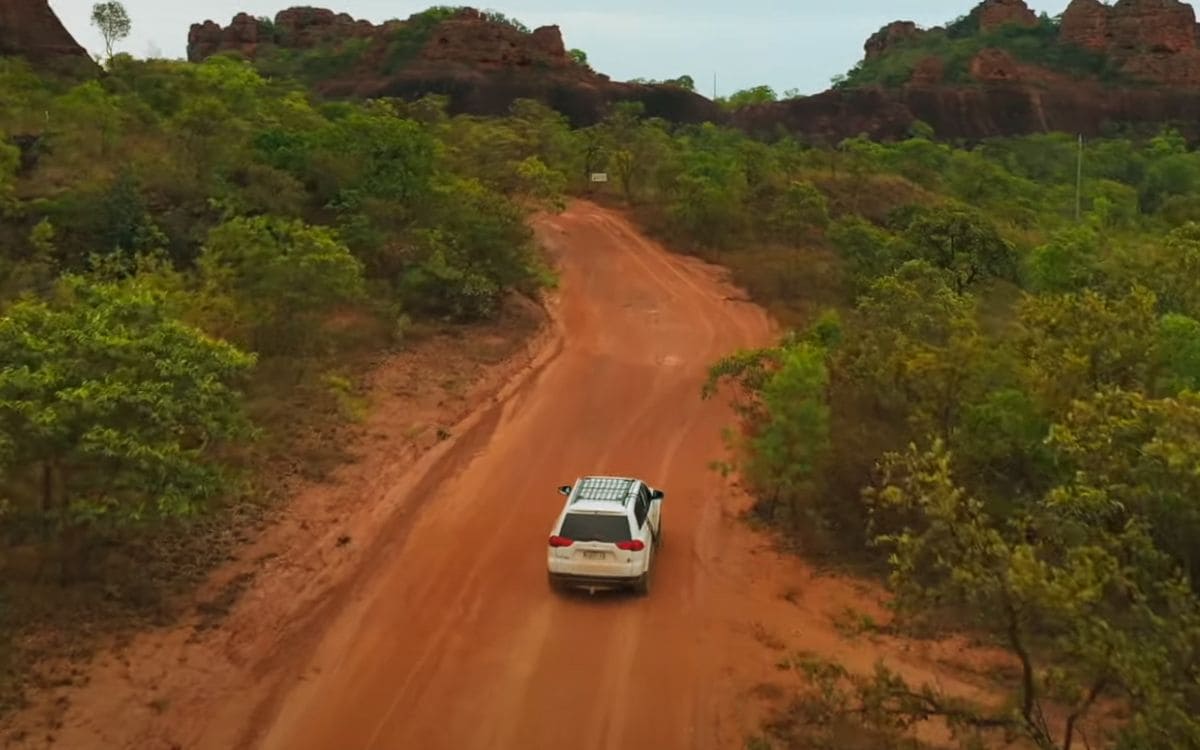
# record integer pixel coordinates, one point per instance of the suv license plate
(594, 555)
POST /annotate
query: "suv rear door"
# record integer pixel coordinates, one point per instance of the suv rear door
(594, 550)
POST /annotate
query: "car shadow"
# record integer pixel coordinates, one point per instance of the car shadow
(602, 597)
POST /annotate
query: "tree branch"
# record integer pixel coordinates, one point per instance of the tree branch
(1078, 713)
(1030, 709)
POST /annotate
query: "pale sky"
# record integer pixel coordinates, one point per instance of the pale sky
(798, 44)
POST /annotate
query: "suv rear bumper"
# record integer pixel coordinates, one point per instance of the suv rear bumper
(568, 579)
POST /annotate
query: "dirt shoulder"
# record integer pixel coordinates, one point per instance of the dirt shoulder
(420, 401)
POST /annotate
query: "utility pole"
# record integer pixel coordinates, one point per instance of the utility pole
(714, 86)
(1079, 178)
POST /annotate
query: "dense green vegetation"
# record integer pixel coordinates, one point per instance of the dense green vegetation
(995, 401)
(192, 258)
(957, 43)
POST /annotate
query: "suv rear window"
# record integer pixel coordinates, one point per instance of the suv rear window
(588, 527)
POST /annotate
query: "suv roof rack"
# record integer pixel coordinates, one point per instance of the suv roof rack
(604, 489)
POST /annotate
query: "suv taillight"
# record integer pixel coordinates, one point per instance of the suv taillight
(635, 545)
(561, 541)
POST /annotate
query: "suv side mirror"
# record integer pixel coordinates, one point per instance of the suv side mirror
(657, 495)
(565, 490)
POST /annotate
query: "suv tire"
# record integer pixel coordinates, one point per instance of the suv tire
(641, 587)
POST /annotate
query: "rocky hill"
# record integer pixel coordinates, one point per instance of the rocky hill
(29, 29)
(481, 61)
(1003, 70)
(999, 70)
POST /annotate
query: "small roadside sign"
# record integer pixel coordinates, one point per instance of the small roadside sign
(599, 177)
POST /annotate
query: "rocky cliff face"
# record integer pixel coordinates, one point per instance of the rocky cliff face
(29, 29)
(884, 40)
(482, 65)
(993, 14)
(1154, 41)
(1085, 24)
(1151, 44)
(295, 28)
(973, 113)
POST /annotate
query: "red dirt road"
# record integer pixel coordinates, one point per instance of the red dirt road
(459, 643)
(436, 628)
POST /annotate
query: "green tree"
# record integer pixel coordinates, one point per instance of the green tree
(476, 247)
(10, 160)
(1178, 349)
(797, 210)
(785, 457)
(1002, 447)
(283, 275)
(113, 22)
(1114, 205)
(962, 242)
(748, 97)
(1133, 459)
(579, 56)
(635, 148)
(707, 195)
(542, 182)
(685, 82)
(919, 158)
(869, 252)
(373, 154)
(917, 348)
(125, 226)
(781, 396)
(1078, 343)
(1087, 610)
(1067, 263)
(115, 411)
(1172, 270)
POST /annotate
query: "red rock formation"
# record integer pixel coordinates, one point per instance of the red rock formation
(481, 65)
(305, 27)
(1151, 41)
(470, 40)
(1150, 26)
(1085, 24)
(29, 29)
(994, 66)
(244, 35)
(930, 71)
(996, 13)
(1130, 28)
(1180, 69)
(549, 42)
(1154, 41)
(889, 36)
(972, 113)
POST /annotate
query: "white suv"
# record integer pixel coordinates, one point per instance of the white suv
(606, 535)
